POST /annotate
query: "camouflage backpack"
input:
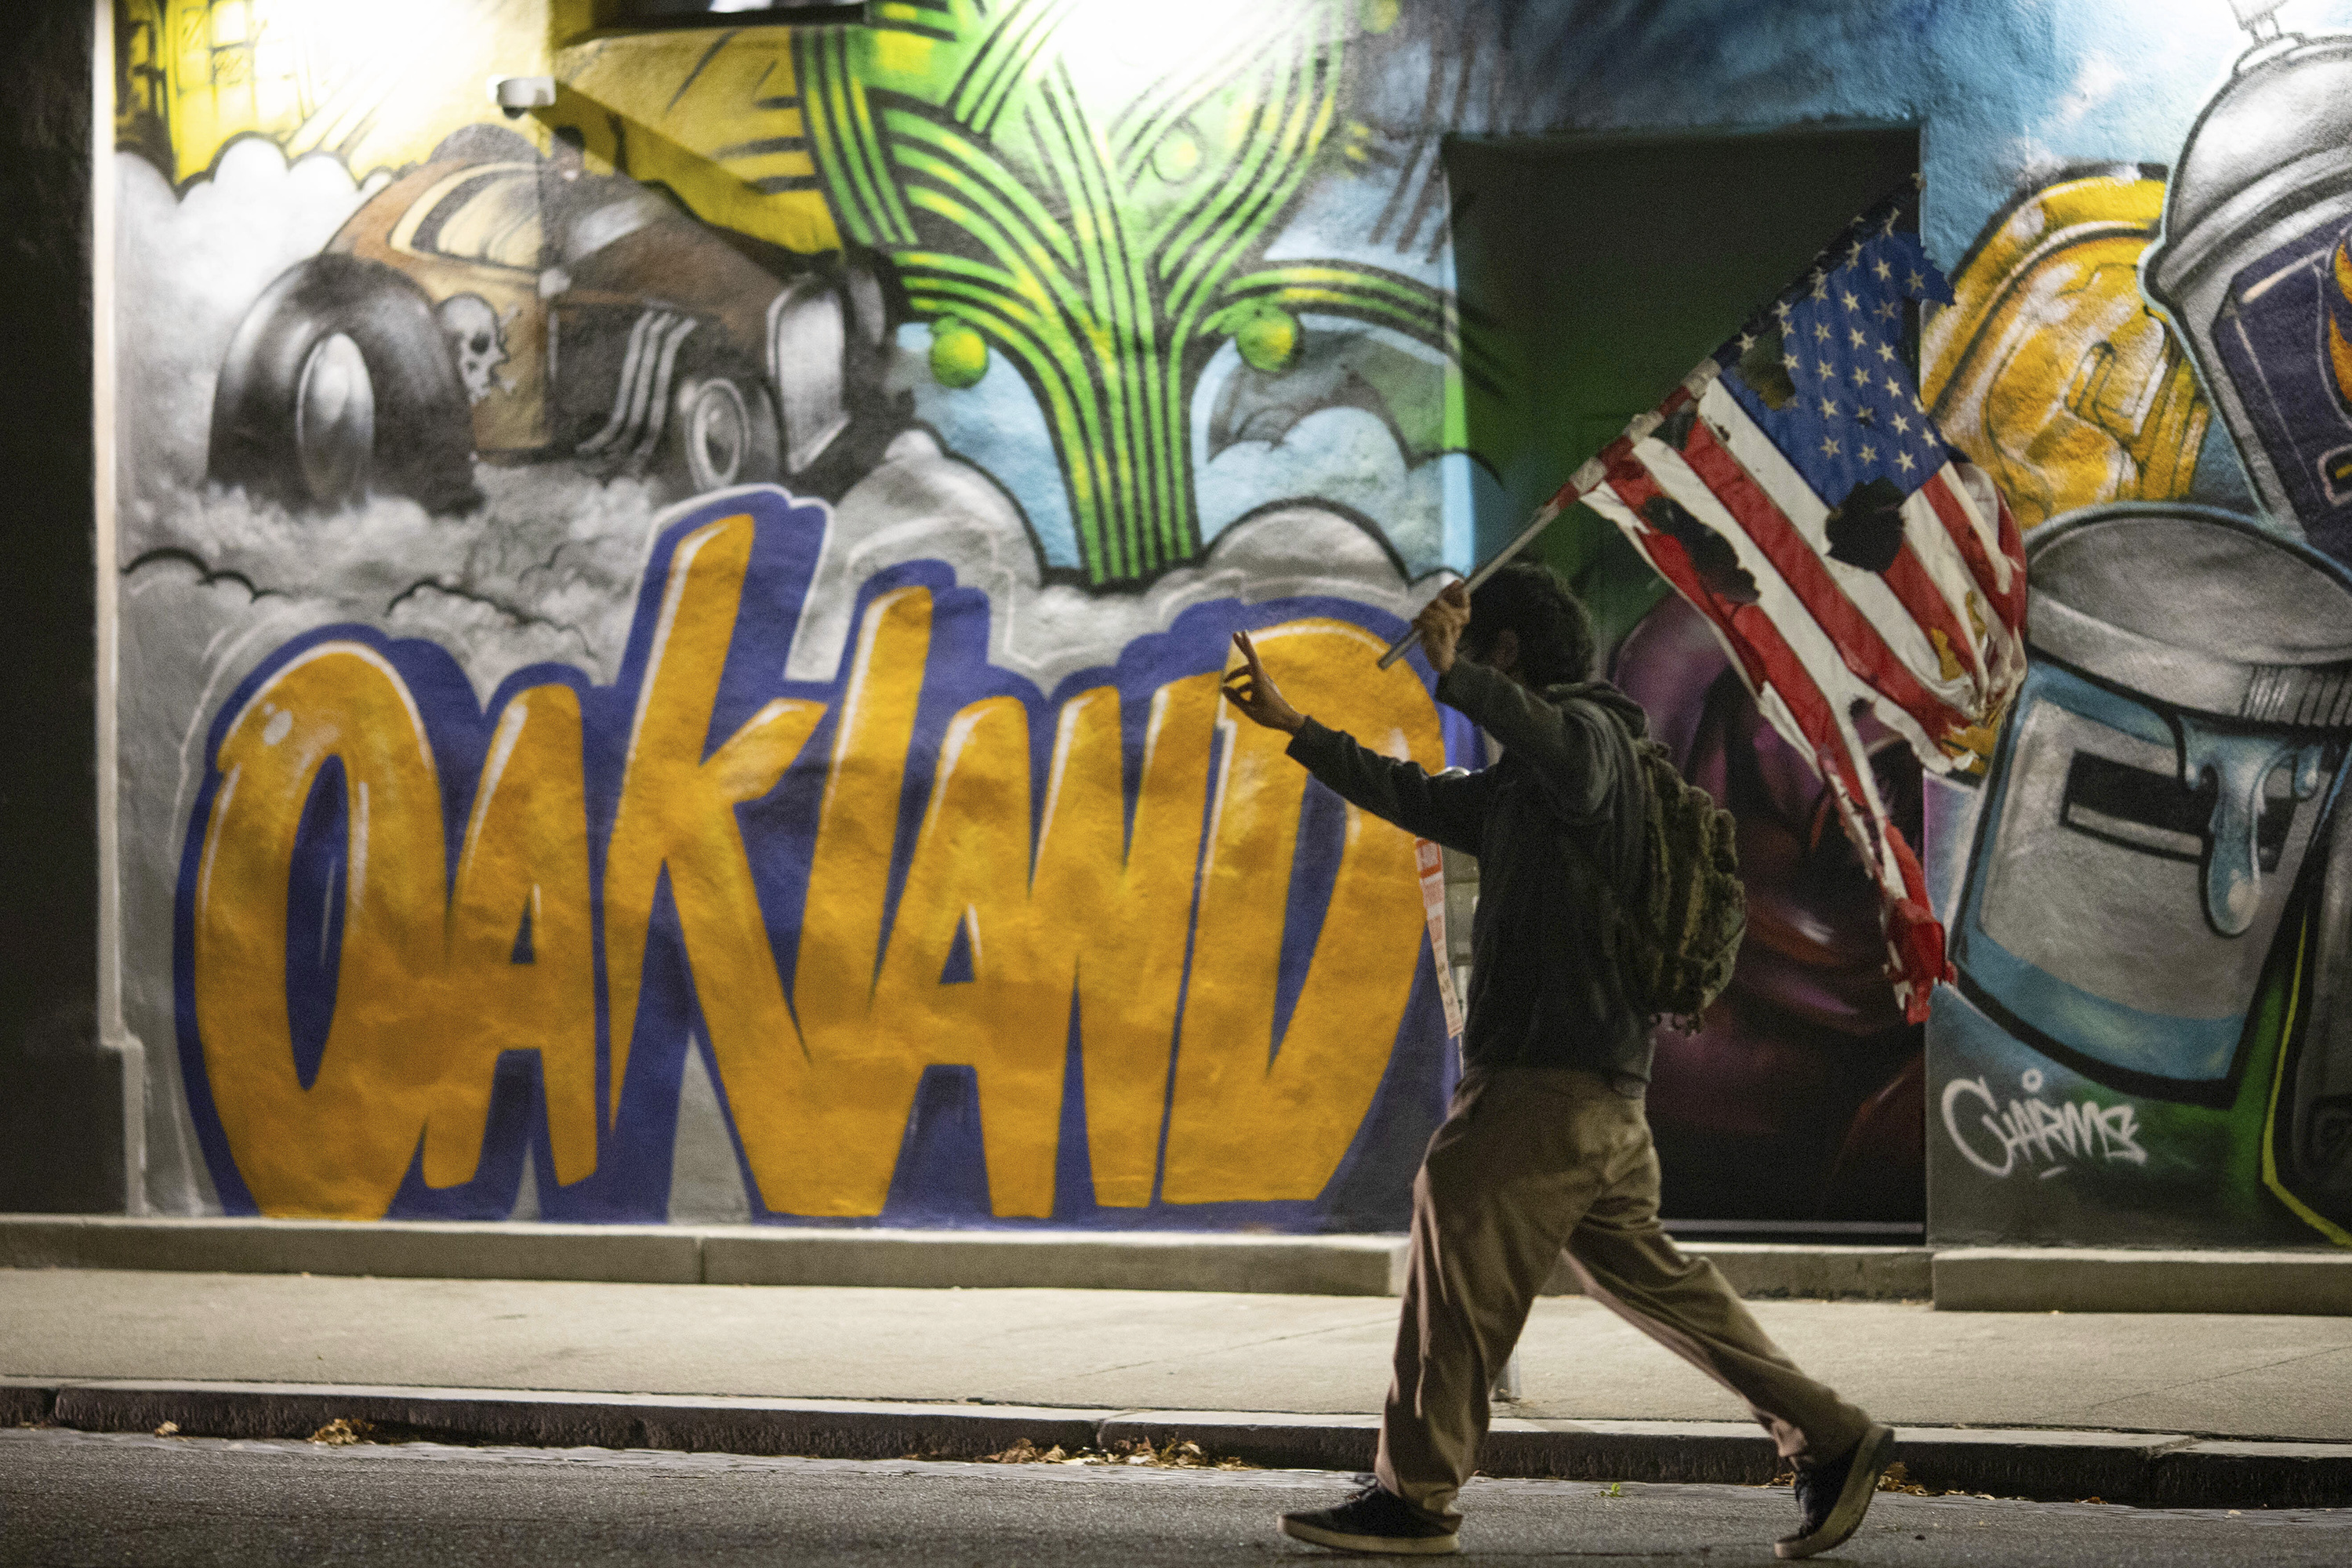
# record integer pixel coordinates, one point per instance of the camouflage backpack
(1675, 947)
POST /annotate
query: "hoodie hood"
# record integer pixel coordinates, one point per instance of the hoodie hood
(1602, 695)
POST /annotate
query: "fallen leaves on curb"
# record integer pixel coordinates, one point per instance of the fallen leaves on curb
(1896, 1478)
(343, 1430)
(1176, 1454)
(168, 1429)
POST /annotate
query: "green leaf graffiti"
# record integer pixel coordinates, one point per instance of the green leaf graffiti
(1105, 237)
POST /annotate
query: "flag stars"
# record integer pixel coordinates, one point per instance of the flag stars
(1882, 269)
(1829, 407)
(1829, 447)
(1825, 369)
(1790, 363)
(1886, 352)
(1894, 387)
(1859, 341)
(1869, 454)
(1851, 300)
(1820, 332)
(1781, 309)
(1865, 414)
(1821, 287)
(1917, 281)
(1902, 424)
(1746, 341)
(1861, 377)
(1903, 461)
(1888, 310)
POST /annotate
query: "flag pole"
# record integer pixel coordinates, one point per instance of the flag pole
(1567, 496)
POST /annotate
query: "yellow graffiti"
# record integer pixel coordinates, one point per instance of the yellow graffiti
(1249, 1121)
(1092, 911)
(423, 1009)
(713, 117)
(677, 814)
(1124, 929)
(320, 76)
(2049, 371)
(523, 868)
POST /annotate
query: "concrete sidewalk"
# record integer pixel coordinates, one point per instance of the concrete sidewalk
(2222, 1410)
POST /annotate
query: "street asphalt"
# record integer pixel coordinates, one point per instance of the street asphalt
(2236, 1375)
(71, 1500)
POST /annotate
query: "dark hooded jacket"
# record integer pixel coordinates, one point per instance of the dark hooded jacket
(1543, 992)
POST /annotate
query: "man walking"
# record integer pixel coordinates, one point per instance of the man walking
(1546, 1146)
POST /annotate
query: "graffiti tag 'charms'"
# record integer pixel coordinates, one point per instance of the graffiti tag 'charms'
(2026, 1132)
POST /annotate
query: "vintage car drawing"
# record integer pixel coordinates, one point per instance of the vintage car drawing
(519, 309)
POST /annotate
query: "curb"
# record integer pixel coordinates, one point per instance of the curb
(2147, 1469)
(2316, 1281)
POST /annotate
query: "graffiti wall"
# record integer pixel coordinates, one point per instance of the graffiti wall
(2147, 892)
(669, 641)
(672, 644)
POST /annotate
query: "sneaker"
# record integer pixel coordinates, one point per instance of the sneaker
(1832, 1497)
(1374, 1520)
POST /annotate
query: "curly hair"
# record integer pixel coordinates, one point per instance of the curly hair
(1554, 629)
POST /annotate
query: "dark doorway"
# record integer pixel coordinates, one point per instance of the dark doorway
(1595, 271)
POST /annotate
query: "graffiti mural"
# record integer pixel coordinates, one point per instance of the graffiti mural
(551, 837)
(366, 831)
(2148, 905)
(668, 642)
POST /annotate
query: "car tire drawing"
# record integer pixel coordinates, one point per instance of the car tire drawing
(337, 385)
(723, 430)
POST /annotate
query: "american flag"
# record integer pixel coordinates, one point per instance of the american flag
(1795, 492)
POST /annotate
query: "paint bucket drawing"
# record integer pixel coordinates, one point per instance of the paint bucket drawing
(2164, 782)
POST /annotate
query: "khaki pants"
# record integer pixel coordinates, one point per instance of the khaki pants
(1531, 1161)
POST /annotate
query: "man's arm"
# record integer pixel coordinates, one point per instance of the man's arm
(1451, 810)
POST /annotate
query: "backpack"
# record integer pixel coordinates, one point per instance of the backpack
(1675, 946)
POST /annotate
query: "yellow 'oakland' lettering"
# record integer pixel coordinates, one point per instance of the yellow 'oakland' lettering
(339, 1148)
(435, 983)
(1247, 1121)
(522, 972)
(428, 989)
(1120, 912)
(678, 812)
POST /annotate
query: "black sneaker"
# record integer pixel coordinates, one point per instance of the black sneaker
(1374, 1520)
(1832, 1497)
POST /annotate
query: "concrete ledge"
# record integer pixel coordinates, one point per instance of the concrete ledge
(656, 1255)
(718, 1255)
(2290, 1475)
(1764, 1268)
(2306, 1281)
(1064, 1260)
(2081, 1280)
(2155, 1470)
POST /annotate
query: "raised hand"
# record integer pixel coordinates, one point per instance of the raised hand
(1252, 690)
(1441, 623)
